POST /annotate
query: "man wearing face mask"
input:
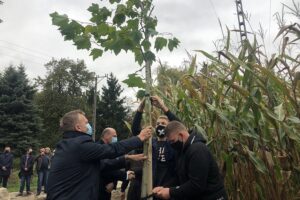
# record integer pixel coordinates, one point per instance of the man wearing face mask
(6, 163)
(198, 176)
(110, 168)
(75, 167)
(163, 155)
(27, 162)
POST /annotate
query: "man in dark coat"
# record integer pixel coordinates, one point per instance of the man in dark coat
(6, 163)
(75, 166)
(42, 164)
(198, 176)
(26, 170)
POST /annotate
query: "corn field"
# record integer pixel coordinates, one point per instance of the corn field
(248, 108)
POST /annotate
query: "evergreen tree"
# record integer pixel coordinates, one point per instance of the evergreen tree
(20, 124)
(111, 111)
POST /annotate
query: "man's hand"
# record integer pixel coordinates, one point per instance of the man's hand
(130, 175)
(136, 157)
(122, 195)
(26, 169)
(109, 187)
(4, 168)
(161, 192)
(141, 106)
(145, 133)
(158, 102)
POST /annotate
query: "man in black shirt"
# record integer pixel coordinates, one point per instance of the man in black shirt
(198, 176)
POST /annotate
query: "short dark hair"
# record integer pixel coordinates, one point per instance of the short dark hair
(174, 126)
(68, 121)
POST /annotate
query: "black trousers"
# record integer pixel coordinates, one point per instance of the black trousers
(3, 180)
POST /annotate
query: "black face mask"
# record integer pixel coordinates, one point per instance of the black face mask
(178, 145)
(160, 131)
(6, 151)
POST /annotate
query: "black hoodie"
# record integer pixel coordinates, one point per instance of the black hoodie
(197, 173)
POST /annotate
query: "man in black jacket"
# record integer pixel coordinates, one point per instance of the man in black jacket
(198, 176)
(163, 157)
(26, 170)
(6, 163)
(110, 168)
(75, 167)
(42, 164)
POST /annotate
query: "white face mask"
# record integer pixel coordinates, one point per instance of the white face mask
(89, 129)
(114, 139)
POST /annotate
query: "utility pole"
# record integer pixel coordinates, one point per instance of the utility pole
(95, 103)
(95, 107)
(241, 20)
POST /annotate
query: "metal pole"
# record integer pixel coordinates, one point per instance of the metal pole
(95, 107)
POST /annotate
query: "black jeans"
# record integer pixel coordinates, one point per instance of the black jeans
(3, 180)
(25, 179)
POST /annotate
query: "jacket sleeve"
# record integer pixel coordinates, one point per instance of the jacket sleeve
(113, 164)
(92, 151)
(198, 162)
(115, 175)
(136, 123)
(10, 163)
(171, 116)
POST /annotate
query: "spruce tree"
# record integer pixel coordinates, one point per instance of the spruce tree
(111, 111)
(20, 124)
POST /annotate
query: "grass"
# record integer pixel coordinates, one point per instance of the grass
(13, 184)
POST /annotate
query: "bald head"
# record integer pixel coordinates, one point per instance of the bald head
(108, 134)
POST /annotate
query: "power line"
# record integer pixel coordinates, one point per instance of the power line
(21, 59)
(30, 49)
(23, 52)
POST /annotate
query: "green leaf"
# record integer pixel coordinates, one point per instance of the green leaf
(119, 19)
(133, 24)
(160, 43)
(279, 111)
(96, 53)
(59, 20)
(138, 56)
(114, 1)
(258, 163)
(103, 29)
(173, 43)
(82, 42)
(146, 44)
(149, 56)
(134, 81)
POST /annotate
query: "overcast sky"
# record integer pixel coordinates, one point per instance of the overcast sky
(27, 35)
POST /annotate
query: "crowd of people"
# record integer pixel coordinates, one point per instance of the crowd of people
(41, 162)
(183, 166)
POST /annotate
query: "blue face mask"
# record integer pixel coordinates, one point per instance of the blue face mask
(114, 140)
(89, 129)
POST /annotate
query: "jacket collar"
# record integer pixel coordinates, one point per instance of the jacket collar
(73, 134)
(189, 141)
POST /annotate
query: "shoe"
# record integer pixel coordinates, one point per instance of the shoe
(38, 193)
(20, 194)
(29, 193)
